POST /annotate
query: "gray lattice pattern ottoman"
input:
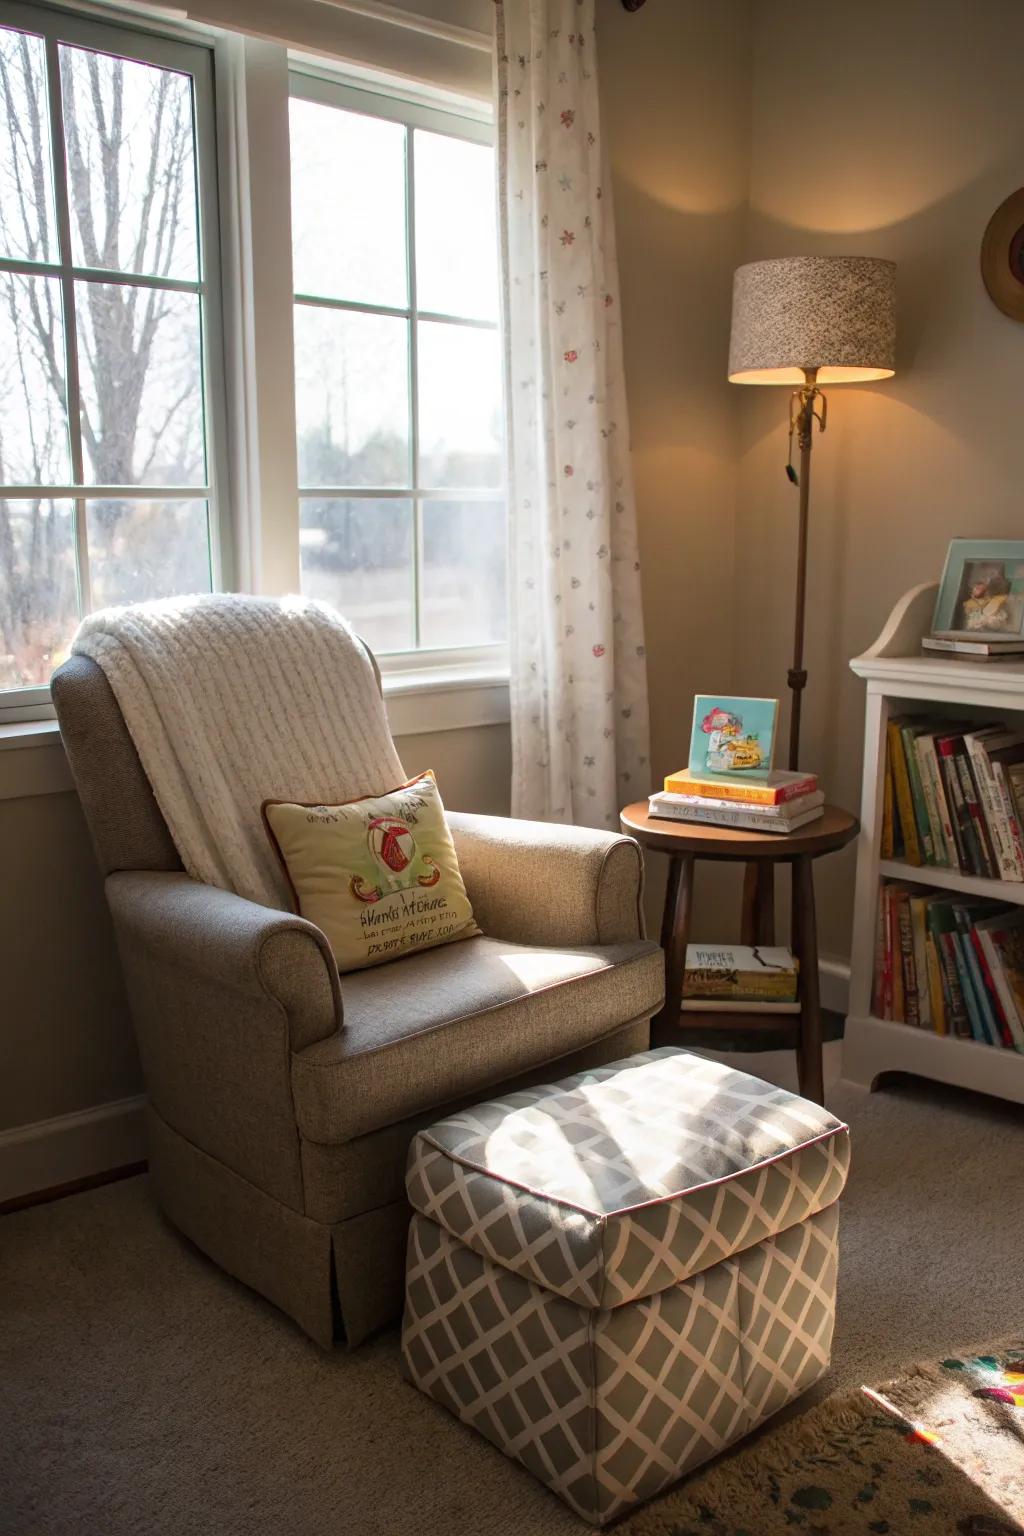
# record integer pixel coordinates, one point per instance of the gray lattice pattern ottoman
(615, 1276)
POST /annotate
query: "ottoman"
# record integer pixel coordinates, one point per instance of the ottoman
(615, 1276)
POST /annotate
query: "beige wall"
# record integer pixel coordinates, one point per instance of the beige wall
(65, 1040)
(675, 88)
(473, 767)
(888, 129)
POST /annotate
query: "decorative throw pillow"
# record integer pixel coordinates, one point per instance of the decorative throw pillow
(378, 876)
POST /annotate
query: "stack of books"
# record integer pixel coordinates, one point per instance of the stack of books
(954, 796)
(949, 964)
(962, 649)
(740, 978)
(776, 802)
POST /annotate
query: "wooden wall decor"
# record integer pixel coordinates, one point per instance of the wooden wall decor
(1002, 256)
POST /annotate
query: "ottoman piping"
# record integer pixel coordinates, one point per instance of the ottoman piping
(839, 1129)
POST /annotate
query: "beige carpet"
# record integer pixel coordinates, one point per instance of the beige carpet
(142, 1391)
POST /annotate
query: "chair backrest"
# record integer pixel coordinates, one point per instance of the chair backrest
(128, 830)
(127, 827)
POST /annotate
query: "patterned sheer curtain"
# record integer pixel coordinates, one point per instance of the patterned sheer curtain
(580, 736)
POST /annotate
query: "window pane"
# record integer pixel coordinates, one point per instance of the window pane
(357, 554)
(348, 205)
(27, 224)
(38, 589)
(351, 397)
(456, 232)
(131, 165)
(463, 600)
(140, 549)
(460, 406)
(34, 447)
(140, 373)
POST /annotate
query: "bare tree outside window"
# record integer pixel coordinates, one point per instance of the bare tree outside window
(398, 375)
(101, 379)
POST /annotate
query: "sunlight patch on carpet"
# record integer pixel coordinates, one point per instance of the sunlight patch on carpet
(940, 1449)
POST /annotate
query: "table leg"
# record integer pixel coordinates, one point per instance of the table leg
(810, 1068)
(675, 928)
(757, 923)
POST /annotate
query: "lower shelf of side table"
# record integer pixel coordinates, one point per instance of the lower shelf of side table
(741, 1031)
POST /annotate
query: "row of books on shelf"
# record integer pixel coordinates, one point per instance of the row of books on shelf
(778, 802)
(950, 964)
(954, 796)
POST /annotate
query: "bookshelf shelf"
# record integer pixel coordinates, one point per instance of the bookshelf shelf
(879, 1045)
(953, 880)
(899, 679)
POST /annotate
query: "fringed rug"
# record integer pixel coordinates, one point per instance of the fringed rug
(941, 1450)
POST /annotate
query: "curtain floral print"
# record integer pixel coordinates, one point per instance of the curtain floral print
(580, 740)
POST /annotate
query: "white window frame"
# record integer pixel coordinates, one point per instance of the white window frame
(411, 671)
(254, 546)
(193, 58)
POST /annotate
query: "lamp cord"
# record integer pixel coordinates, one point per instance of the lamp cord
(807, 405)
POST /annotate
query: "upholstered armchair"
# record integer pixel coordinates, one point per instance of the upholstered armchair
(282, 1098)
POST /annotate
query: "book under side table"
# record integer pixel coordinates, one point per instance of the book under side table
(685, 842)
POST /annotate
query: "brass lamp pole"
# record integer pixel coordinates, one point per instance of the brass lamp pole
(807, 405)
(808, 321)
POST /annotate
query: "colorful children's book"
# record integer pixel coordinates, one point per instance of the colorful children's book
(733, 736)
(774, 789)
(754, 973)
(904, 797)
(683, 804)
(942, 927)
(888, 843)
(1002, 937)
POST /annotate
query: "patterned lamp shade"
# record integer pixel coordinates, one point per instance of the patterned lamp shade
(833, 313)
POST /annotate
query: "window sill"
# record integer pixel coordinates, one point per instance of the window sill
(40, 767)
(417, 702)
(28, 733)
(445, 699)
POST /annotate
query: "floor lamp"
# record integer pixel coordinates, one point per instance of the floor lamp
(807, 321)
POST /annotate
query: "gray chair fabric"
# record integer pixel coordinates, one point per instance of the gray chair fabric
(444, 1022)
(281, 1101)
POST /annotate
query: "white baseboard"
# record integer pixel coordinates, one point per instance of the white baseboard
(49, 1153)
(834, 981)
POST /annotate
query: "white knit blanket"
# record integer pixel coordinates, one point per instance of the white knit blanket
(231, 701)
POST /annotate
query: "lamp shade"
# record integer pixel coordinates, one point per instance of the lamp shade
(836, 314)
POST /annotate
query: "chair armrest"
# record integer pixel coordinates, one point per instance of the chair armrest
(256, 951)
(537, 883)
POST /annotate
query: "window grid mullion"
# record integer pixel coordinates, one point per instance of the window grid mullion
(72, 383)
(402, 492)
(393, 312)
(66, 268)
(107, 492)
(414, 384)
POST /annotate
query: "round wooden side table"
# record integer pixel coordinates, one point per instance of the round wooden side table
(685, 842)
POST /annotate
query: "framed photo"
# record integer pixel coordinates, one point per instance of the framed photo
(732, 736)
(981, 595)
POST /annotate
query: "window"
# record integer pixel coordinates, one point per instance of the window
(398, 372)
(109, 330)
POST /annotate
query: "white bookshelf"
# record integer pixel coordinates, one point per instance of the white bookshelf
(901, 680)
